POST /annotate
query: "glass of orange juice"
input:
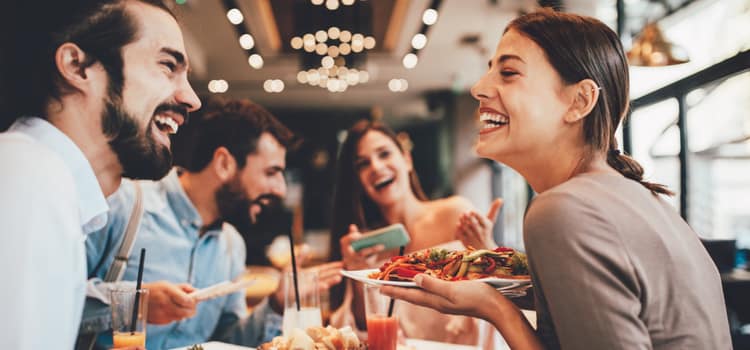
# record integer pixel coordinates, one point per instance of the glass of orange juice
(129, 328)
(382, 328)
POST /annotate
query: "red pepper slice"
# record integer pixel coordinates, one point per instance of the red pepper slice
(503, 249)
(407, 273)
(491, 267)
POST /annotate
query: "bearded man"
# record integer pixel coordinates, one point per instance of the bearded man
(89, 93)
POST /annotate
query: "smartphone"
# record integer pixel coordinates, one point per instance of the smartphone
(392, 236)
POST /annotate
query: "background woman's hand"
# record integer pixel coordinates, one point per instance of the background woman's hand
(468, 298)
(357, 260)
(475, 230)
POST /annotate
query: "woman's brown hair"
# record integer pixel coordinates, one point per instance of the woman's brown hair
(351, 205)
(581, 48)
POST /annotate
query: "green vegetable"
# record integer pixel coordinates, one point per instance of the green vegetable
(438, 254)
(520, 264)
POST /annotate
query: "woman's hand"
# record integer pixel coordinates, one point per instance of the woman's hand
(357, 260)
(475, 230)
(468, 298)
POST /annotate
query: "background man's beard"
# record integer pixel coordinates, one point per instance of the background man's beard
(233, 204)
(140, 155)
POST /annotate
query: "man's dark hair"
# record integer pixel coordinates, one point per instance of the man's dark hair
(32, 33)
(234, 124)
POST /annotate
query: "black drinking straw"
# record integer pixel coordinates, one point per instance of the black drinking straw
(294, 270)
(137, 291)
(393, 301)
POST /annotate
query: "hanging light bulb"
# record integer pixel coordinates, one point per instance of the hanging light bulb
(410, 60)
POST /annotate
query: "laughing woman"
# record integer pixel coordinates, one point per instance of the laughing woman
(613, 265)
(377, 186)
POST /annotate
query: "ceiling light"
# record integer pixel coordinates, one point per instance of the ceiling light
(369, 43)
(419, 41)
(332, 85)
(353, 77)
(345, 36)
(357, 46)
(404, 85)
(302, 77)
(321, 36)
(345, 49)
(430, 16)
(358, 39)
(297, 43)
(410, 60)
(364, 76)
(342, 72)
(267, 85)
(332, 4)
(235, 16)
(255, 61)
(334, 32)
(333, 51)
(321, 49)
(347, 2)
(309, 39)
(277, 85)
(327, 62)
(398, 85)
(247, 42)
(317, 2)
(313, 76)
(394, 85)
(218, 86)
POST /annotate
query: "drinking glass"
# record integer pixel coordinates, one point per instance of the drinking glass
(127, 329)
(382, 326)
(308, 314)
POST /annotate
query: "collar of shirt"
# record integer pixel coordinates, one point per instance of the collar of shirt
(92, 206)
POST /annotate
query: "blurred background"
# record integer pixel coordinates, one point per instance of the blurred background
(321, 65)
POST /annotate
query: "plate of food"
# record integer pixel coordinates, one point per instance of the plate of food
(503, 268)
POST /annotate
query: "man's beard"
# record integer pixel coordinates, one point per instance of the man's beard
(234, 204)
(140, 155)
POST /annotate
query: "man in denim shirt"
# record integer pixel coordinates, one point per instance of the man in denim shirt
(234, 166)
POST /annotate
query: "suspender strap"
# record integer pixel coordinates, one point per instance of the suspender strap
(118, 266)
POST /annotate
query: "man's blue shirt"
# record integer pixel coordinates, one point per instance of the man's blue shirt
(178, 253)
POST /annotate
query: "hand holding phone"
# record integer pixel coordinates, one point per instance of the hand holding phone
(392, 236)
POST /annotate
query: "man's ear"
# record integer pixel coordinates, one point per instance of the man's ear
(224, 164)
(72, 63)
(585, 96)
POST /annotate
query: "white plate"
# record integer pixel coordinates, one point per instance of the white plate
(215, 345)
(498, 283)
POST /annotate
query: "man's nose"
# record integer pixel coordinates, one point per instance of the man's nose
(186, 96)
(280, 189)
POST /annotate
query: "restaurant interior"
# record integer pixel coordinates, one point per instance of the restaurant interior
(320, 66)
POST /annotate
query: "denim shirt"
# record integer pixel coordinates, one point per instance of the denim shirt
(176, 252)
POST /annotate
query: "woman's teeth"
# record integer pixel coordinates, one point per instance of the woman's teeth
(492, 120)
(382, 183)
(166, 124)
